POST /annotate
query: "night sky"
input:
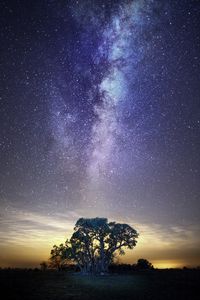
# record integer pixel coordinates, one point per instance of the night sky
(100, 116)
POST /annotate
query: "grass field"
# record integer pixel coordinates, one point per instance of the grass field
(52, 285)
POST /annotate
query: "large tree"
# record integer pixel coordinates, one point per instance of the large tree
(95, 242)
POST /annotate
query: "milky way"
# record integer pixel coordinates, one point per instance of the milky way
(122, 47)
(100, 116)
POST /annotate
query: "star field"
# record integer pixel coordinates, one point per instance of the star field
(100, 116)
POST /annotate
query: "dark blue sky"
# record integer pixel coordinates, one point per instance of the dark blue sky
(100, 115)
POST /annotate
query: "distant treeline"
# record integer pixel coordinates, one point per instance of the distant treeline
(114, 268)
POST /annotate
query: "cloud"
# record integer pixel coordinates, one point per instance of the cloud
(27, 238)
(19, 227)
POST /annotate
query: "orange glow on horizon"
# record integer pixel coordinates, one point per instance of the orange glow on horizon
(168, 264)
(164, 247)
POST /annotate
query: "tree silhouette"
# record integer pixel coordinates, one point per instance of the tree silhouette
(43, 265)
(58, 259)
(95, 242)
(144, 264)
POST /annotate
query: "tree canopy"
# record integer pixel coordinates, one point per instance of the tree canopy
(95, 242)
(144, 264)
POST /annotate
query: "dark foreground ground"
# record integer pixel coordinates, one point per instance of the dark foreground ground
(51, 285)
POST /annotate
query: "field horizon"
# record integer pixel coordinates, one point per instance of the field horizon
(51, 285)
